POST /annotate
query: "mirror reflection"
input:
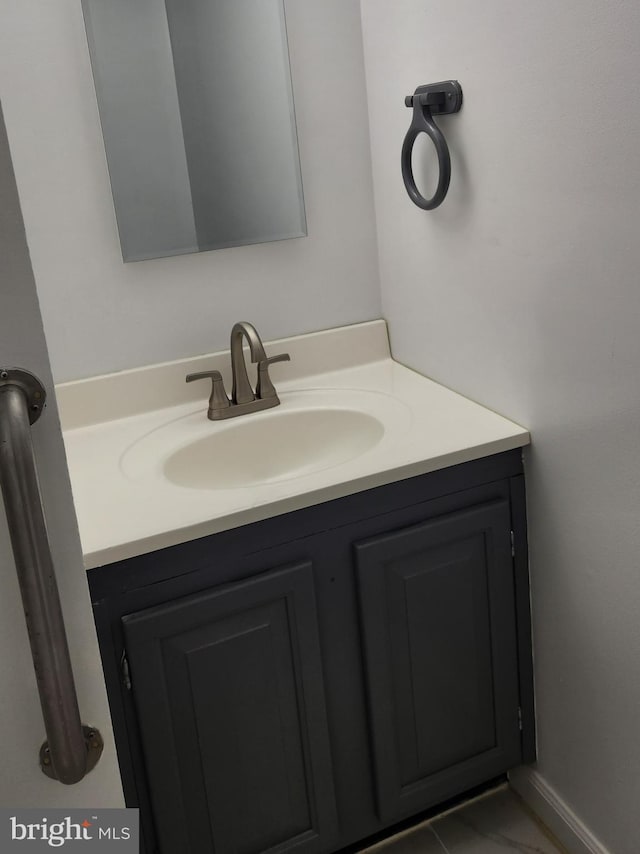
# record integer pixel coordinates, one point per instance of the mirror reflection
(197, 115)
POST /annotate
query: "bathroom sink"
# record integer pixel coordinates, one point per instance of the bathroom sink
(149, 470)
(309, 432)
(289, 444)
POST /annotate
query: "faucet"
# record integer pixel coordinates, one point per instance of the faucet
(243, 398)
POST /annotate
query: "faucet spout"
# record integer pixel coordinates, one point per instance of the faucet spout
(242, 391)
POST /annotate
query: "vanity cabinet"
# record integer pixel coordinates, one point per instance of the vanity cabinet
(312, 679)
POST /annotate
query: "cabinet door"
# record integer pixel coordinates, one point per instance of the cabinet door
(229, 691)
(437, 615)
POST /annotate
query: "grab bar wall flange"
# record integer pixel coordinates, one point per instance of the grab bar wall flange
(69, 748)
(94, 745)
(33, 390)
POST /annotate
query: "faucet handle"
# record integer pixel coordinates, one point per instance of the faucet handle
(265, 388)
(218, 401)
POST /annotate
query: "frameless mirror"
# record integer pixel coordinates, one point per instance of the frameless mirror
(197, 115)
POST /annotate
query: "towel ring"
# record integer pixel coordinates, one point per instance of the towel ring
(438, 99)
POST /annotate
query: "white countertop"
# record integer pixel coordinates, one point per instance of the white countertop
(127, 509)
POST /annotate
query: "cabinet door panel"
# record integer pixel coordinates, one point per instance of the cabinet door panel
(228, 686)
(439, 640)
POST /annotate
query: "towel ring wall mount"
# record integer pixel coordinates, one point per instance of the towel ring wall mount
(432, 99)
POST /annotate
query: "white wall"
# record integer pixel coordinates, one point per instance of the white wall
(22, 344)
(102, 315)
(522, 291)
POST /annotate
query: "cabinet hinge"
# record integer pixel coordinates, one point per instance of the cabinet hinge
(124, 669)
(520, 718)
(513, 544)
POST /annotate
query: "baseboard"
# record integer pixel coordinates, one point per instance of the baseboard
(554, 812)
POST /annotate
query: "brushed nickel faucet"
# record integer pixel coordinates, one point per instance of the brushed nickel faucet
(243, 398)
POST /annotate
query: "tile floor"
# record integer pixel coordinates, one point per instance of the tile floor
(496, 823)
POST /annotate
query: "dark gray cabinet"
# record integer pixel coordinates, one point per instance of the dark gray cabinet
(228, 686)
(309, 681)
(439, 635)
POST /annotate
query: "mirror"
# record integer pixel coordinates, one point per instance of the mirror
(197, 115)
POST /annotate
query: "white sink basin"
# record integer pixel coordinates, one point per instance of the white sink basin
(310, 431)
(290, 444)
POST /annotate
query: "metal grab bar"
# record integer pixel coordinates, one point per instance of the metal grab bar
(71, 749)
